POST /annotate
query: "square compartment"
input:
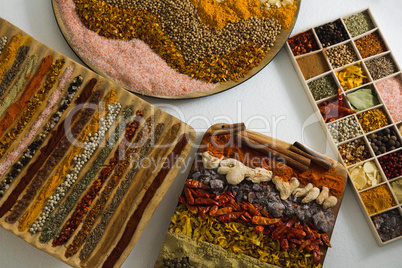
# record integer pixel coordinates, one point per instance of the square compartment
(391, 164)
(323, 87)
(377, 199)
(361, 98)
(390, 90)
(341, 55)
(330, 110)
(312, 65)
(396, 187)
(331, 33)
(356, 76)
(373, 119)
(370, 45)
(388, 224)
(365, 175)
(345, 129)
(385, 140)
(400, 129)
(354, 151)
(381, 67)
(359, 23)
(303, 43)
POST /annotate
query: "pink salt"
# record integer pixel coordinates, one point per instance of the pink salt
(53, 100)
(390, 90)
(132, 63)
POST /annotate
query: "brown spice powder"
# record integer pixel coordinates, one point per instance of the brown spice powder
(313, 65)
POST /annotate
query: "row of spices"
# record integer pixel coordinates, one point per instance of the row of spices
(44, 189)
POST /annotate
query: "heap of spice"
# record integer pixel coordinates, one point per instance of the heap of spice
(384, 141)
(381, 67)
(365, 175)
(3, 43)
(333, 110)
(388, 224)
(331, 33)
(362, 99)
(313, 65)
(352, 76)
(323, 87)
(377, 199)
(396, 187)
(359, 23)
(354, 152)
(341, 55)
(370, 45)
(303, 43)
(345, 129)
(373, 119)
(390, 90)
(391, 164)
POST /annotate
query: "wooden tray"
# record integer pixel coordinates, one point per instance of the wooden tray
(280, 41)
(372, 83)
(144, 192)
(339, 169)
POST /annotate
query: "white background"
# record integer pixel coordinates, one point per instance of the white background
(272, 102)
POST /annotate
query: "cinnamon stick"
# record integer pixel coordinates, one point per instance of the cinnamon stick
(315, 158)
(296, 156)
(225, 129)
(272, 153)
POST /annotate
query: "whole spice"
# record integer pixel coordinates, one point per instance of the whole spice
(384, 141)
(377, 199)
(362, 99)
(3, 43)
(323, 87)
(388, 224)
(365, 175)
(341, 55)
(303, 43)
(53, 223)
(352, 76)
(332, 111)
(9, 52)
(396, 187)
(370, 45)
(313, 65)
(345, 129)
(391, 164)
(331, 33)
(381, 67)
(390, 90)
(354, 152)
(373, 119)
(359, 23)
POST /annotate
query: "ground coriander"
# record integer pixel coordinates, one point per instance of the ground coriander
(313, 65)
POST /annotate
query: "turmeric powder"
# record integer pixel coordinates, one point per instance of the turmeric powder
(216, 14)
(377, 199)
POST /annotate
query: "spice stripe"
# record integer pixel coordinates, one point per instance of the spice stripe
(17, 87)
(3, 43)
(69, 165)
(136, 217)
(10, 75)
(45, 152)
(31, 108)
(97, 209)
(7, 56)
(53, 160)
(82, 208)
(31, 149)
(94, 237)
(16, 108)
(53, 223)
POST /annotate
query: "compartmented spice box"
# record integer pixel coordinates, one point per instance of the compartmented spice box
(75, 148)
(354, 84)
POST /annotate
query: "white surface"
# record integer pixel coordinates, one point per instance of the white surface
(272, 102)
